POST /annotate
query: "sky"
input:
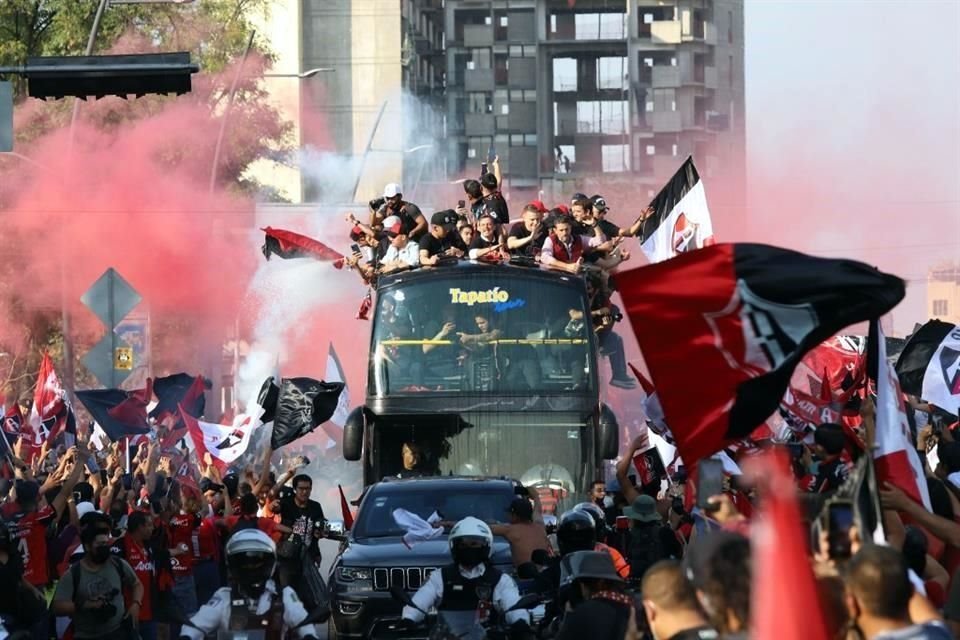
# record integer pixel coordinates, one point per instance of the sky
(853, 132)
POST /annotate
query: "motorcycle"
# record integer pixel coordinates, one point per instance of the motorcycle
(451, 625)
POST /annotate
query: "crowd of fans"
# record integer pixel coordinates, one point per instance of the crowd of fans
(690, 569)
(124, 550)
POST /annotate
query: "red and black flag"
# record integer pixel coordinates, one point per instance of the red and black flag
(727, 324)
(288, 244)
(173, 392)
(297, 406)
(929, 365)
(119, 413)
(680, 221)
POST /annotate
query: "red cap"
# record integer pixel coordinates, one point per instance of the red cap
(564, 209)
(542, 208)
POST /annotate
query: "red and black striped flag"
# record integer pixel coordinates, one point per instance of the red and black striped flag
(288, 244)
(723, 328)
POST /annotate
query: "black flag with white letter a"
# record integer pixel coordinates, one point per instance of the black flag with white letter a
(722, 329)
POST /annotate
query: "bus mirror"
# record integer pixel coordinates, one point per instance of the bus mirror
(608, 434)
(353, 434)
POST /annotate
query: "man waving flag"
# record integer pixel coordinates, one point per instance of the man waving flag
(732, 321)
(680, 220)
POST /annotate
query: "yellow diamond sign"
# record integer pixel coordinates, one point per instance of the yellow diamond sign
(123, 359)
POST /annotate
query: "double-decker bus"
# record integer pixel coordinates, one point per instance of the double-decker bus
(486, 370)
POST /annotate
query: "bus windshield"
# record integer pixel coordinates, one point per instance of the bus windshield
(477, 332)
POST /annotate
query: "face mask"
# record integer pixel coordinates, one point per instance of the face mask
(470, 557)
(100, 554)
(608, 501)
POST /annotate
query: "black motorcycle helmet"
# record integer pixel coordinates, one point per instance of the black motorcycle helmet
(599, 520)
(576, 532)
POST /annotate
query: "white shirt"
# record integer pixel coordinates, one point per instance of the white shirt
(409, 255)
(428, 597)
(215, 615)
(475, 253)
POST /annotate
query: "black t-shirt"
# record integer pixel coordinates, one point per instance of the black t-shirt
(496, 206)
(479, 243)
(519, 231)
(303, 520)
(434, 246)
(609, 229)
(408, 214)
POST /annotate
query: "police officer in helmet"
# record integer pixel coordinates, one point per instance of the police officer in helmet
(469, 583)
(252, 605)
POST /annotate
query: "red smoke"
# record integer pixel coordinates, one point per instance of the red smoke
(136, 199)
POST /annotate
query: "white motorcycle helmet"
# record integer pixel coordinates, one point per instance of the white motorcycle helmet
(470, 542)
(251, 559)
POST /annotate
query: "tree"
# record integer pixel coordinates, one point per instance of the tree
(216, 32)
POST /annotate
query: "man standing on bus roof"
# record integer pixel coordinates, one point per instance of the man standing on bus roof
(414, 224)
(442, 241)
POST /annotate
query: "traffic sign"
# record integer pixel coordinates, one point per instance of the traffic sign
(6, 117)
(111, 298)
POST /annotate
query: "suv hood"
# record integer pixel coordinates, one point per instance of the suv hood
(392, 552)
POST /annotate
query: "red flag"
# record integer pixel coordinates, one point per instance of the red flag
(733, 321)
(48, 415)
(782, 571)
(345, 509)
(288, 244)
(133, 410)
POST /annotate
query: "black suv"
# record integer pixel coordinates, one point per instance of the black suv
(373, 556)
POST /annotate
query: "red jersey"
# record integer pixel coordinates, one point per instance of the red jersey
(208, 540)
(140, 558)
(182, 528)
(30, 532)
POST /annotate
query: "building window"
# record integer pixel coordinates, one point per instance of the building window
(730, 27)
(601, 116)
(564, 74)
(611, 73)
(651, 150)
(615, 158)
(649, 106)
(940, 308)
(731, 71)
(674, 150)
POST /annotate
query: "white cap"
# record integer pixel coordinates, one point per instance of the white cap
(393, 224)
(392, 190)
(83, 508)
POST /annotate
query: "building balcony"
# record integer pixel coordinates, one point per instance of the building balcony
(665, 121)
(522, 73)
(705, 32)
(664, 32)
(478, 80)
(665, 77)
(478, 35)
(478, 124)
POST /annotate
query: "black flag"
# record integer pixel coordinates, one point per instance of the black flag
(297, 406)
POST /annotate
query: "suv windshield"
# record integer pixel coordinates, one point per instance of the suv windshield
(481, 331)
(452, 503)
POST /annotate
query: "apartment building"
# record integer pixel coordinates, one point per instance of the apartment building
(597, 91)
(943, 293)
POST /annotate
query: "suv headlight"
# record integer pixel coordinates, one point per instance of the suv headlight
(355, 574)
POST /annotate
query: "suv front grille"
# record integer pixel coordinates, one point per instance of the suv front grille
(410, 578)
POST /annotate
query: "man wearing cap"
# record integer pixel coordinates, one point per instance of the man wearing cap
(442, 241)
(524, 535)
(600, 211)
(604, 612)
(493, 201)
(414, 224)
(403, 253)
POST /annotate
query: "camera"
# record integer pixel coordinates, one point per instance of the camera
(376, 203)
(616, 316)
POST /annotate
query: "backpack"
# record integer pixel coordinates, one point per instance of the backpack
(646, 549)
(75, 574)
